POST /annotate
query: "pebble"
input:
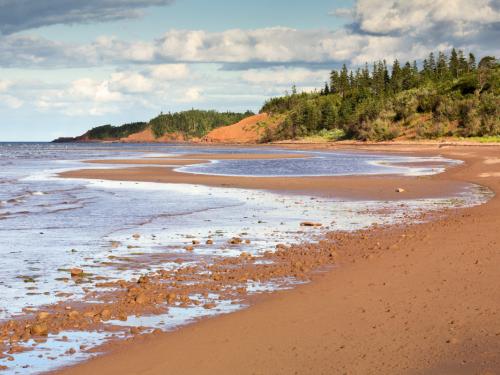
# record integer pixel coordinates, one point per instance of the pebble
(40, 329)
(76, 272)
(310, 224)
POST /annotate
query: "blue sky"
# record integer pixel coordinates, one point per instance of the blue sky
(68, 65)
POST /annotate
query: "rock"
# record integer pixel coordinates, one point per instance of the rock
(105, 314)
(248, 242)
(196, 242)
(141, 299)
(209, 305)
(235, 241)
(42, 315)
(135, 330)
(74, 315)
(310, 224)
(400, 190)
(171, 297)
(209, 242)
(40, 329)
(76, 272)
(136, 236)
(143, 280)
(189, 248)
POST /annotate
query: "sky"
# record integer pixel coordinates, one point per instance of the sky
(70, 65)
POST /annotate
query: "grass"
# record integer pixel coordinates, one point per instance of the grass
(325, 135)
(485, 139)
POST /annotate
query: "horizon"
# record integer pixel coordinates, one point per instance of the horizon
(70, 67)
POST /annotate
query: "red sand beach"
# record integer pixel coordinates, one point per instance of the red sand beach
(408, 299)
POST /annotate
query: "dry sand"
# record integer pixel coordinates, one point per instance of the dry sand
(418, 299)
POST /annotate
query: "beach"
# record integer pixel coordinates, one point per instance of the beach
(403, 299)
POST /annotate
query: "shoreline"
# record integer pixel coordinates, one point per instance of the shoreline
(357, 187)
(402, 306)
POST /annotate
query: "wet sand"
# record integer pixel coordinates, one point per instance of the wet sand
(378, 187)
(409, 299)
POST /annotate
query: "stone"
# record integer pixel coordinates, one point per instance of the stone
(400, 190)
(74, 315)
(105, 314)
(310, 224)
(209, 242)
(141, 299)
(42, 315)
(76, 272)
(40, 329)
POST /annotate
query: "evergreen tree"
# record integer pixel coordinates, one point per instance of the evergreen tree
(471, 62)
(326, 90)
(462, 63)
(396, 77)
(344, 81)
(441, 66)
(407, 80)
(334, 82)
(454, 64)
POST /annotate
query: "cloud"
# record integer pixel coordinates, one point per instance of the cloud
(168, 72)
(285, 76)
(379, 30)
(11, 101)
(192, 94)
(4, 85)
(18, 15)
(267, 45)
(130, 83)
(418, 16)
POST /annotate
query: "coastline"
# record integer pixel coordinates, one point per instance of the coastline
(410, 299)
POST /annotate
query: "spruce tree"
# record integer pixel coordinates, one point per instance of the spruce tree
(454, 64)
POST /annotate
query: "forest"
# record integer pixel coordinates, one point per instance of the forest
(194, 123)
(447, 96)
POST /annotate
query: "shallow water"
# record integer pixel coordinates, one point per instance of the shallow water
(48, 224)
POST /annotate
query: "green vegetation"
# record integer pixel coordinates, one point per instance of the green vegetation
(113, 132)
(448, 96)
(194, 123)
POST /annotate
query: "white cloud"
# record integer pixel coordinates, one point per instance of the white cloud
(129, 82)
(169, 72)
(4, 85)
(11, 101)
(376, 16)
(192, 94)
(284, 76)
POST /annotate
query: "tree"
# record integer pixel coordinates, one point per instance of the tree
(343, 81)
(454, 64)
(334, 82)
(396, 77)
(471, 62)
(442, 66)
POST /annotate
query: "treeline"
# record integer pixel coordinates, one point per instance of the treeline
(190, 124)
(115, 132)
(194, 123)
(447, 96)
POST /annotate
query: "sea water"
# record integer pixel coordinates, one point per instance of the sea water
(49, 224)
